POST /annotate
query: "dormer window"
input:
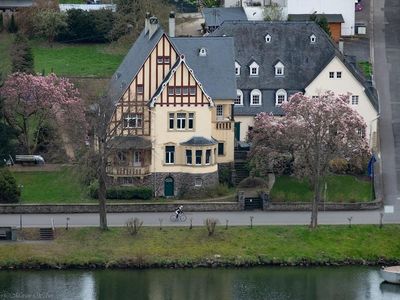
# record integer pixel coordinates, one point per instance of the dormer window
(279, 69)
(280, 97)
(203, 52)
(254, 69)
(237, 68)
(268, 38)
(239, 98)
(313, 39)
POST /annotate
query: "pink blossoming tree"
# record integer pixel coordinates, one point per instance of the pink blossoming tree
(31, 101)
(311, 133)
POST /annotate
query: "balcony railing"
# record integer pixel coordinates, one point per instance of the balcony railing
(128, 171)
(223, 125)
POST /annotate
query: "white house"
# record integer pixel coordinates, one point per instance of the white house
(254, 9)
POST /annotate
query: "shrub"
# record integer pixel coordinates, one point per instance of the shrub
(133, 225)
(225, 176)
(211, 223)
(9, 191)
(217, 191)
(122, 193)
(1, 22)
(338, 166)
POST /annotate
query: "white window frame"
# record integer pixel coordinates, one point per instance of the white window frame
(255, 93)
(181, 120)
(237, 68)
(137, 118)
(239, 98)
(331, 75)
(279, 69)
(313, 39)
(190, 118)
(219, 112)
(171, 121)
(209, 157)
(169, 155)
(254, 66)
(339, 74)
(195, 157)
(203, 52)
(279, 94)
(268, 38)
(355, 100)
(187, 156)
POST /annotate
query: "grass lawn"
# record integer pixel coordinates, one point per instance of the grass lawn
(237, 245)
(340, 188)
(5, 59)
(93, 60)
(51, 187)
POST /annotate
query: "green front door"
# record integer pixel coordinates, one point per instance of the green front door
(169, 187)
(237, 131)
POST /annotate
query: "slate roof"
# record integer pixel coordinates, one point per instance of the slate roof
(129, 142)
(290, 44)
(331, 18)
(132, 63)
(217, 15)
(215, 71)
(199, 141)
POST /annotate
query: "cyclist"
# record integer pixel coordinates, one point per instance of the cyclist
(179, 211)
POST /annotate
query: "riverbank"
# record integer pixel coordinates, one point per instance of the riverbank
(184, 247)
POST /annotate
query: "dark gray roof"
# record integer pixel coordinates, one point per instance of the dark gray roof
(217, 15)
(132, 63)
(216, 70)
(129, 142)
(199, 141)
(9, 4)
(331, 18)
(290, 44)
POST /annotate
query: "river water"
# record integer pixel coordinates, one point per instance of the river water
(273, 283)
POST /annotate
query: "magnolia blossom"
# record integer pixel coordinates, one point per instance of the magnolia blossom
(310, 134)
(30, 101)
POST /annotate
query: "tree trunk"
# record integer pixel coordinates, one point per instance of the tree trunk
(102, 189)
(315, 203)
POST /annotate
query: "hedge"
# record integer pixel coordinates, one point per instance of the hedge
(123, 193)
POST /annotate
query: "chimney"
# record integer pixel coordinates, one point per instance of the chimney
(341, 46)
(146, 23)
(153, 26)
(172, 24)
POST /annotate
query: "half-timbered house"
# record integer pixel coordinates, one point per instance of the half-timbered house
(172, 127)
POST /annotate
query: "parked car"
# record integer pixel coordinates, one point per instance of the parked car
(29, 159)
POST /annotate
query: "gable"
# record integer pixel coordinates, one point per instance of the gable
(350, 81)
(181, 87)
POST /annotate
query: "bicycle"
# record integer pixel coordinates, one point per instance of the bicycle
(181, 217)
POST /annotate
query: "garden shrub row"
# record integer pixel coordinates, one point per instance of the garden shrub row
(123, 193)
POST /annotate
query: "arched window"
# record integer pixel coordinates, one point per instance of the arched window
(255, 97)
(268, 38)
(203, 52)
(313, 39)
(239, 98)
(237, 68)
(279, 69)
(280, 97)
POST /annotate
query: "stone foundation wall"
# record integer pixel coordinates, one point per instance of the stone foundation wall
(184, 183)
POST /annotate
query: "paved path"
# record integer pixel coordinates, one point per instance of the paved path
(235, 218)
(385, 52)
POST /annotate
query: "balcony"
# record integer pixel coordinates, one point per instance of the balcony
(223, 125)
(126, 171)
